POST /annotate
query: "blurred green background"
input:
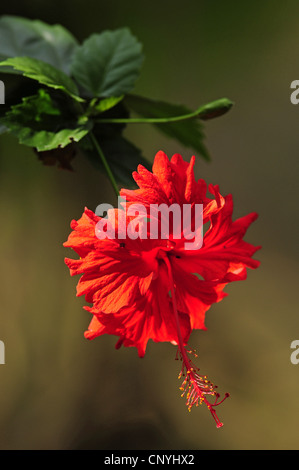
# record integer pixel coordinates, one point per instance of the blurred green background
(60, 391)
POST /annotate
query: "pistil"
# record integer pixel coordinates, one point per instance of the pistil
(195, 387)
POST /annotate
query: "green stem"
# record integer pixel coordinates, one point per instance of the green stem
(105, 163)
(204, 112)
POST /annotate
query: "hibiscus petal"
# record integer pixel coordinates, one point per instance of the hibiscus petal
(195, 296)
(223, 247)
(126, 280)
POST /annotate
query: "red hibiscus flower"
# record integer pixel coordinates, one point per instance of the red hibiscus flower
(158, 289)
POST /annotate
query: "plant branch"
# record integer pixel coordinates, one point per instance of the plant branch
(105, 163)
(206, 111)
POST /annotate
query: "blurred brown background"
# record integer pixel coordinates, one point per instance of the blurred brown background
(60, 391)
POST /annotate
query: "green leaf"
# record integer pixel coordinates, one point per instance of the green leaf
(122, 156)
(104, 104)
(44, 140)
(108, 64)
(187, 132)
(38, 123)
(33, 38)
(45, 74)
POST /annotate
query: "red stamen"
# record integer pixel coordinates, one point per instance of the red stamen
(195, 387)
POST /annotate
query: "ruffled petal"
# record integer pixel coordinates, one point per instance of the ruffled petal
(224, 251)
(149, 318)
(126, 279)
